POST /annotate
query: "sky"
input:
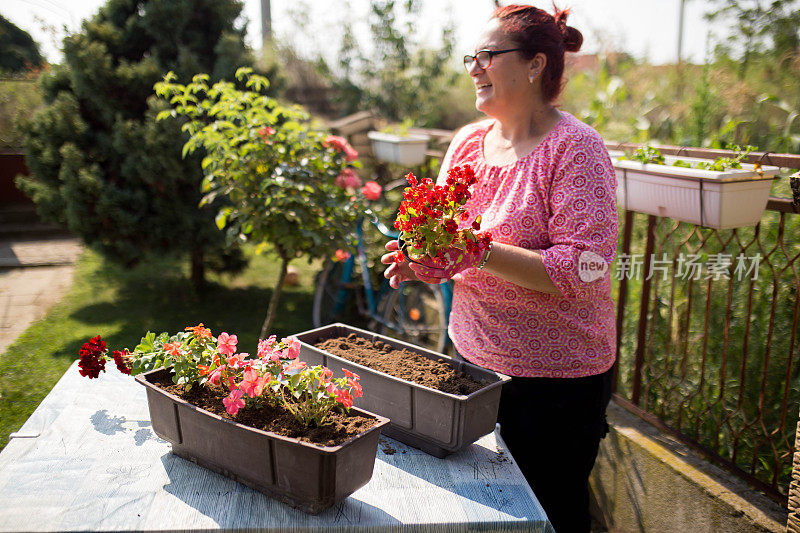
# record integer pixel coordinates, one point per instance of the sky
(645, 28)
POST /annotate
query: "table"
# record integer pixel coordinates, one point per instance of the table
(87, 459)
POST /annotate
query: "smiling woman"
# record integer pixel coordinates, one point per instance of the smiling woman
(537, 305)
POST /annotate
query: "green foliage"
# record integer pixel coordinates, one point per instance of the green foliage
(277, 171)
(18, 51)
(101, 165)
(395, 75)
(19, 98)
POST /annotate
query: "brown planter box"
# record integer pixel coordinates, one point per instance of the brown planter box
(307, 476)
(436, 422)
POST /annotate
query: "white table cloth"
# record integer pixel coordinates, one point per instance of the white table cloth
(88, 460)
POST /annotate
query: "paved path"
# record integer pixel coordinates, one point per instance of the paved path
(34, 275)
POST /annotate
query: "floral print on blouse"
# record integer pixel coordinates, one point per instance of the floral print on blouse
(559, 199)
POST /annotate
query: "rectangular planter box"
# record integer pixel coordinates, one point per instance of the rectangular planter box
(433, 421)
(720, 200)
(408, 150)
(304, 475)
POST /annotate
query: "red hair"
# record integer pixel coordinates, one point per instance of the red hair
(536, 31)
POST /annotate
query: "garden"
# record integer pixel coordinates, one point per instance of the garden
(226, 227)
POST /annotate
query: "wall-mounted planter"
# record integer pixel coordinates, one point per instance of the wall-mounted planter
(720, 200)
(307, 476)
(407, 150)
(433, 421)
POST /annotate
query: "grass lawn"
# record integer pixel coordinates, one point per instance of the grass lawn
(121, 305)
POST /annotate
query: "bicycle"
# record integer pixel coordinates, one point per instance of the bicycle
(417, 312)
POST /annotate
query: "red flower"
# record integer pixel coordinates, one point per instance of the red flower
(344, 398)
(266, 132)
(341, 255)
(122, 360)
(341, 144)
(348, 179)
(92, 356)
(450, 226)
(399, 257)
(371, 190)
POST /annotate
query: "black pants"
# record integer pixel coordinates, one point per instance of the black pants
(553, 427)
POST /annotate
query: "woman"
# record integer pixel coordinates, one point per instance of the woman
(537, 304)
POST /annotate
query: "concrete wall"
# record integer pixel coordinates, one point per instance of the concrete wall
(646, 481)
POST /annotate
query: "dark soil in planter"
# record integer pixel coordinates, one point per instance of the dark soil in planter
(268, 418)
(403, 364)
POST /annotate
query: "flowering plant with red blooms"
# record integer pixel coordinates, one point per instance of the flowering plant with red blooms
(432, 218)
(273, 376)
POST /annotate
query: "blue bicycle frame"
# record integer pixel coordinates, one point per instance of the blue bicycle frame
(372, 297)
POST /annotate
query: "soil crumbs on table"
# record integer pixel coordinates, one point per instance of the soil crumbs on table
(402, 364)
(269, 418)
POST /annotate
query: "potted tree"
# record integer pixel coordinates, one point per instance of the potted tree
(720, 194)
(270, 421)
(394, 144)
(290, 187)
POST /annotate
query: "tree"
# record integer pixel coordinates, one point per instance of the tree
(100, 163)
(759, 26)
(18, 51)
(290, 187)
(396, 75)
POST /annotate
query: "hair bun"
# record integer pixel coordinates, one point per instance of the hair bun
(573, 39)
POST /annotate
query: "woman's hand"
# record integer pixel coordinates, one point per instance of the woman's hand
(397, 272)
(453, 261)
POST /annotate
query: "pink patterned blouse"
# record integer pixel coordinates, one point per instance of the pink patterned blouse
(558, 199)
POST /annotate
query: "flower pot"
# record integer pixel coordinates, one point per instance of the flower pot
(407, 150)
(307, 476)
(403, 247)
(436, 422)
(720, 200)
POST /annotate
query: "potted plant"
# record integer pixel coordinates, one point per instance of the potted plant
(271, 421)
(432, 219)
(394, 144)
(721, 194)
(421, 415)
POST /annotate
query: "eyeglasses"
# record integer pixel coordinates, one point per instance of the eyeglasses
(484, 57)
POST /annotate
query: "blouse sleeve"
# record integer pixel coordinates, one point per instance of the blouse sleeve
(583, 220)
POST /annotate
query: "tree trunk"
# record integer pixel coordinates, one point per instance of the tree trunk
(198, 275)
(276, 295)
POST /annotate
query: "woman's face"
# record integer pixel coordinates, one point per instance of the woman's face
(502, 87)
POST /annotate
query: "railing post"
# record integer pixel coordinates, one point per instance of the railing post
(645, 304)
(793, 523)
(622, 294)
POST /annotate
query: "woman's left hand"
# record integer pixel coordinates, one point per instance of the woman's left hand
(453, 261)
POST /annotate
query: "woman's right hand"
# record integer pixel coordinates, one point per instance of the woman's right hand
(397, 272)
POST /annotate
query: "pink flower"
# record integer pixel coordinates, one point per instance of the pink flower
(341, 144)
(341, 255)
(235, 361)
(371, 190)
(266, 132)
(234, 402)
(253, 384)
(265, 349)
(216, 374)
(292, 349)
(294, 366)
(351, 375)
(226, 344)
(348, 179)
(344, 398)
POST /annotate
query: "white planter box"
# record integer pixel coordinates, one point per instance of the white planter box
(408, 150)
(720, 200)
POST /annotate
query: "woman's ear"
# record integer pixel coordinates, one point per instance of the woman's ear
(537, 65)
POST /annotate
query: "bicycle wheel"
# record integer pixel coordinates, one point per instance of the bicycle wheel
(415, 313)
(333, 299)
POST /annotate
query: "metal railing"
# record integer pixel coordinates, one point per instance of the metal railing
(714, 358)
